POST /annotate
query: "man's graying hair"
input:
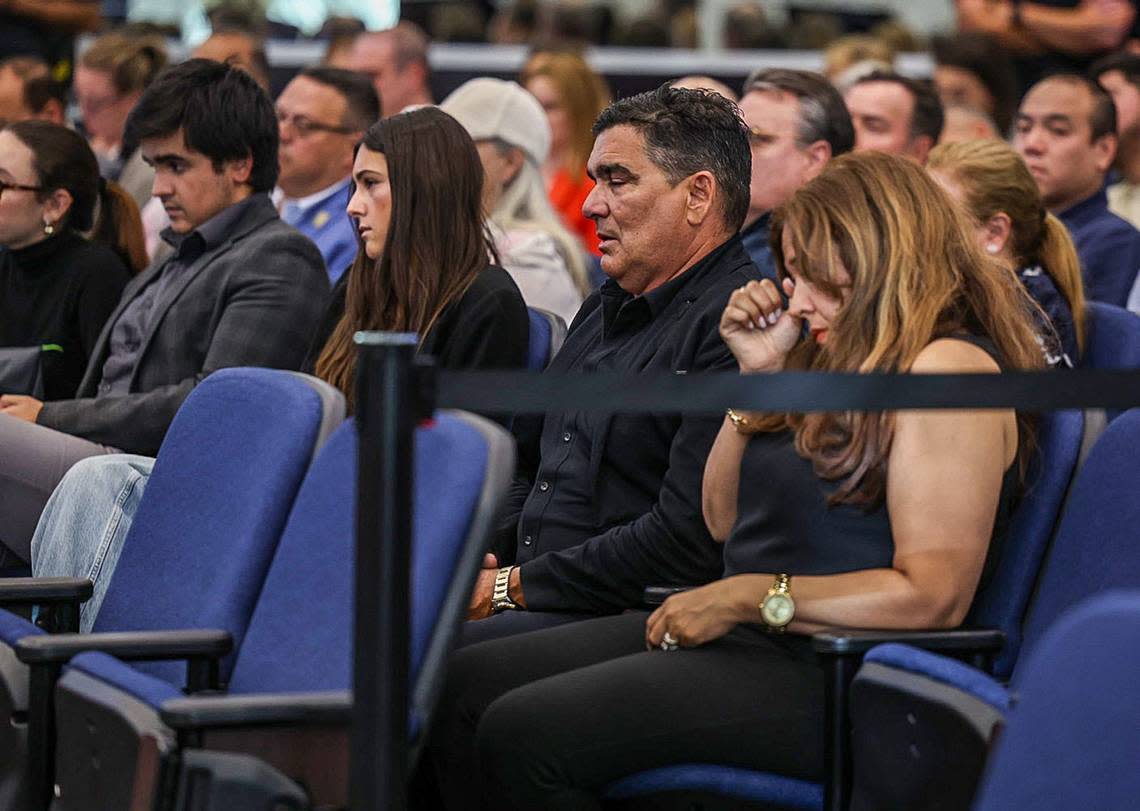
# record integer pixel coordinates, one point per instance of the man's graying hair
(823, 115)
(689, 131)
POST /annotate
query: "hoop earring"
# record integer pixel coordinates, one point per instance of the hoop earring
(49, 229)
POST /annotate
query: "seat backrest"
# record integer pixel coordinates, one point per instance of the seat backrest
(1073, 739)
(1095, 548)
(300, 636)
(215, 505)
(1002, 603)
(1112, 337)
(538, 351)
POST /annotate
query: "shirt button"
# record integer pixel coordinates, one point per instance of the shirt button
(528, 540)
(543, 486)
(566, 437)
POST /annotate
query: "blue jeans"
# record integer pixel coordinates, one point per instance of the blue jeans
(86, 520)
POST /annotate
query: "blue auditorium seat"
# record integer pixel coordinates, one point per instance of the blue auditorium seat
(1073, 740)
(1112, 339)
(1001, 605)
(924, 723)
(195, 557)
(298, 646)
(547, 332)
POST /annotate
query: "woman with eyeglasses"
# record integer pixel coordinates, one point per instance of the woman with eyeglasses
(57, 288)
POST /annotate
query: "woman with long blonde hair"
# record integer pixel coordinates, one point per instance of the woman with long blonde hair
(572, 95)
(1011, 224)
(864, 520)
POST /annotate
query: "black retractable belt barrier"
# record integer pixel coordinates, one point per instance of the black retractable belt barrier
(390, 393)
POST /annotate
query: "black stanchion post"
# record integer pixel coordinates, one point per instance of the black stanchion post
(385, 424)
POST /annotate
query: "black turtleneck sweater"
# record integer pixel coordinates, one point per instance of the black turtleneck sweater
(59, 291)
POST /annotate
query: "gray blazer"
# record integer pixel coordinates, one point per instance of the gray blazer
(253, 300)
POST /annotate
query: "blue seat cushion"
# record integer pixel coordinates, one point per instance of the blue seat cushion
(538, 350)
(727, 781)
(943, 670)
(148, 689)
(14, 628)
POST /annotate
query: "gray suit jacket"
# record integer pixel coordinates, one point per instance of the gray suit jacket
(253, 300)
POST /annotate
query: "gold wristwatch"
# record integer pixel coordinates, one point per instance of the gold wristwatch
(501, 595)
(777, 608)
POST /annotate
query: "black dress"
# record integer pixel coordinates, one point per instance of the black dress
(547, 719)
(59, 291)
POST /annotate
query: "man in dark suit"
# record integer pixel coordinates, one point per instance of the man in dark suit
(241, 289)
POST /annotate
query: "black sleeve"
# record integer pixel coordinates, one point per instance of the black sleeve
(333, 313)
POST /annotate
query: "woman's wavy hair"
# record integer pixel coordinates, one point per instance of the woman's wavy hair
(437, 242)
(62, 159)
(995, 179)
(583, 92)
(916, 275)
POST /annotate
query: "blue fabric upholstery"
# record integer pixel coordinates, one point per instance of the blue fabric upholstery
(538, 351)
(1113, 337)
(14, 628)
(300, 636)
(148, 689)
(724, 780)
(1096, 547)
(1073, 740)
(944, 670)
(214, 509)
(1003, 602)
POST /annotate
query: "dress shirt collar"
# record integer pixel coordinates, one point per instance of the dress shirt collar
(213, 231)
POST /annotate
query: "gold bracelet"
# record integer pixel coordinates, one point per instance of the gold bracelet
(740, 422)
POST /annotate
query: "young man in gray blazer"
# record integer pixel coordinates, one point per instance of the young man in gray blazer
(241, 289)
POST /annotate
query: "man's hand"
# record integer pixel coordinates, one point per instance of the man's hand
(480, 605)
(20, 406)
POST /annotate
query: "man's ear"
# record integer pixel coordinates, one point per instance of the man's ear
(920, 147)
(817, 154)
(702, 193)
(239, 171)
(1104, 149)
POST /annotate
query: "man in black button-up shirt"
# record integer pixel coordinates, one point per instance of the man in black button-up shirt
(614, 500)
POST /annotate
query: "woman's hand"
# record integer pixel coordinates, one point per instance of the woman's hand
(699, 615)
(758, 332)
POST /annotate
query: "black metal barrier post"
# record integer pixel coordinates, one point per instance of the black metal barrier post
(385, 395)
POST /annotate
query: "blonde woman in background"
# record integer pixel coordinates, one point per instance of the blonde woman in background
(1011, 224)
(511, 134)
(572, 95)
(109, 79)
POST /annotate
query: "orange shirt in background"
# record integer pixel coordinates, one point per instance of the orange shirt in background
(567, 196)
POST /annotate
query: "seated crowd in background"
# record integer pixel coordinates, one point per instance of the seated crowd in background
(858, 221)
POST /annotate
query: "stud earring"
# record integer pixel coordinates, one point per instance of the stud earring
(991, 249)
(49, 229)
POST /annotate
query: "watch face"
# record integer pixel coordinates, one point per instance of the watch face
(777, 610)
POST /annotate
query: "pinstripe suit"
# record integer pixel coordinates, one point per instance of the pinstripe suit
(254, 299)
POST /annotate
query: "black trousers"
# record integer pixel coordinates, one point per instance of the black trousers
(548, 719)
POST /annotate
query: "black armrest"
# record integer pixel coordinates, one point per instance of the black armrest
(656, 595)
(844, 642)
(44, 590)
(128, 645)
(296, 709)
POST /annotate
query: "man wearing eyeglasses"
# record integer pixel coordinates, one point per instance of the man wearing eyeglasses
(321, 115)
(797, 122)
